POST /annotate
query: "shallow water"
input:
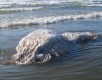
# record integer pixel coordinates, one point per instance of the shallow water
(83, 63)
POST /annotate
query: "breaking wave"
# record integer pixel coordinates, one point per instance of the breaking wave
(19, 9)
(51, 2)
(50, 19)
(42, 45)
(4, 6)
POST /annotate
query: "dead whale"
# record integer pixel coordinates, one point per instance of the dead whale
(42, 45)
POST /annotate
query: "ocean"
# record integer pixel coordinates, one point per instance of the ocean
(20, 17)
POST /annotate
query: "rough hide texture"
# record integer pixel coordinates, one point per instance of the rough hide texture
(80, 36)
(42, 45)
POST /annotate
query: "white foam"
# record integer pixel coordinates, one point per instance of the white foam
(51, 2)
(20, 9)
(12, 1)
(4, 6)
(30, 2)
(50, 19)
(96, 5)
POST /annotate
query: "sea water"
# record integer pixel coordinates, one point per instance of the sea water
(20, 17)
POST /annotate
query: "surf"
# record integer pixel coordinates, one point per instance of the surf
(50, 19)
(19, 9)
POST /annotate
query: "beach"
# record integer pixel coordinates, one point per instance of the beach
(18, 18)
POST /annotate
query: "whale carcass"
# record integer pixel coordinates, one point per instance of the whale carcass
(42, 45)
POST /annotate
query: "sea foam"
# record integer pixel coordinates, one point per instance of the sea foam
(50, 19)
(19, 9)
(51, 2)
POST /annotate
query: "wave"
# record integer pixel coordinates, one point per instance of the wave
(96, 5)
(32, 2)
(51, 2)
(19, 9)
(50, 19)
(42, 45)
(2, 6)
